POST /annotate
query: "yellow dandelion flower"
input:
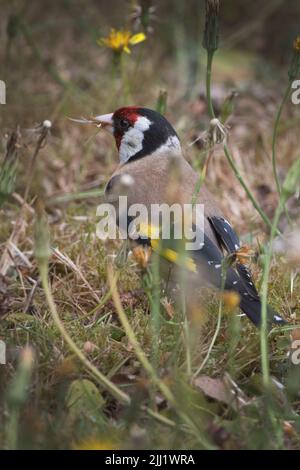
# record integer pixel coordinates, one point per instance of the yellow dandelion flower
(231, 300)
(120, 40)
(95, 444)
(297, 44)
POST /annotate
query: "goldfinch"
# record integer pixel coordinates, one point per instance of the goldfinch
(153, 170)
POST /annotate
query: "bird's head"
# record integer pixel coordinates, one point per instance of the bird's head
(139, 132)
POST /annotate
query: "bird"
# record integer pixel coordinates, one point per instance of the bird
(151, 161)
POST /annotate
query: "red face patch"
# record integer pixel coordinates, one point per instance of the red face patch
(129, 112)
(123, 119)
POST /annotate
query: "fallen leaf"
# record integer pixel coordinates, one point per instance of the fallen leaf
(84, 399)
(222, 389)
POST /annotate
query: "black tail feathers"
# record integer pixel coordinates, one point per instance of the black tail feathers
(252, 308)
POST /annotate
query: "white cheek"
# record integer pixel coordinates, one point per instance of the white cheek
(132, 141)
(171, 144)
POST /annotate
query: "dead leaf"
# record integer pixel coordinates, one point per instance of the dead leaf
(223, 390)
(84, 399)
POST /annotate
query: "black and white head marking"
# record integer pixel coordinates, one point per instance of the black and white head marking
(149, 132)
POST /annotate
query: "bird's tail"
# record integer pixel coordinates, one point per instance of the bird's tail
(252, 308)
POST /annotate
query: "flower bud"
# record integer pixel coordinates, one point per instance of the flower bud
(211, 30)
(294, 70)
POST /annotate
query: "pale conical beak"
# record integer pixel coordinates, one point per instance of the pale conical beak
(105, 121)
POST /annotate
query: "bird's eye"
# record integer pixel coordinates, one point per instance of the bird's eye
(124, 124)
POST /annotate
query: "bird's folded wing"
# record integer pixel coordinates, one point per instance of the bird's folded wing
(229, 240)
(207, 262)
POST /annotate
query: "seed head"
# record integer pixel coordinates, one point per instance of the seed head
(294, 70)
(211, 30)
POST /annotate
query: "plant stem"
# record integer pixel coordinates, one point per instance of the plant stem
(223, 280)
(133, 340)
(155, 307)
(187, 340)
(146, 364)
(275, 132)
(264, 347)
(274, 141)
(17, 396)
(5, 260)
(264, 305)
(12, 430)
(185, 321)
(107, 384)
(210, 55)
(247, 190)
(69, 197)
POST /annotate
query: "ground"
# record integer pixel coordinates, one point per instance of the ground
(49, 397)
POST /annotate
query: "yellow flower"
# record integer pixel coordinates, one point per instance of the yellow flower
(231, 300)
(297, 44)
(95, 444)
(120, 40)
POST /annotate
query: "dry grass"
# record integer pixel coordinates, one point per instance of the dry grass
(230, 413)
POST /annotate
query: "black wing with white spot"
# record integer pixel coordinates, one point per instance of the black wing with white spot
(226, 236)
(229, 240)
(208, 260)
(243, 284)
